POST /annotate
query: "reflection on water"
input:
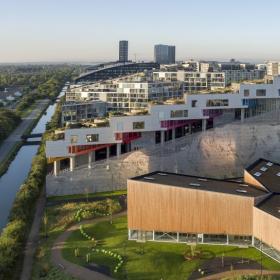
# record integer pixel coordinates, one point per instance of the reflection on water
(13, 178)
(18, 169)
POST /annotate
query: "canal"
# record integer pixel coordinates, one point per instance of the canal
(18, 170)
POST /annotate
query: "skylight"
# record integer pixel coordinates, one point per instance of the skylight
(263, 168)
(243, 185)
(241, 191)
(269, 163)
(258, 174)
(149, 178)
(202, 179)
(162, 174)
(194, 184)
(278, 174)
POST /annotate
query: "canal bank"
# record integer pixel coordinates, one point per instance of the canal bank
(19, 168)
(12, 144)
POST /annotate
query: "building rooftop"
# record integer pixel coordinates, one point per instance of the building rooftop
(267, 173)
(271, 205)
(200, 183)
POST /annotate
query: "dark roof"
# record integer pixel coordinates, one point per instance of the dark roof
(200, 183)
(271, 205)
(268, 176)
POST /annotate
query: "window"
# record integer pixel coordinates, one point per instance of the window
(73, 139)
(246, 92)
(92, 138)
(178, 113)
(138, 125)
(261, 92)
(194, 103)
(216, 102)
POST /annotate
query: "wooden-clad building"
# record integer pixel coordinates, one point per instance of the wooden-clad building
(173, 207)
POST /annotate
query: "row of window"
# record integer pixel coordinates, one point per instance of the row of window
(89, 137)
(217, 102)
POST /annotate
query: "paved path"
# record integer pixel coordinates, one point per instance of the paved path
(15, 136)
(236, 273)
(71, 268)
(33, 238)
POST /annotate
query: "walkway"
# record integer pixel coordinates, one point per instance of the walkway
(236, 273)
(71, 268)
(33, 238)
(15, 136)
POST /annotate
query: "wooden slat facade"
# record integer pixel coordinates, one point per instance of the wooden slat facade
(266, 228)
(249, 179)
(173, 209)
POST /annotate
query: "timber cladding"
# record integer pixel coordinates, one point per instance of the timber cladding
(266, 228)
(173, 209)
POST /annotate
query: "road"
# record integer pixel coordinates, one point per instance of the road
(15, 136)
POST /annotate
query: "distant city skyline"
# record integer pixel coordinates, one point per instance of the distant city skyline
(89, 31)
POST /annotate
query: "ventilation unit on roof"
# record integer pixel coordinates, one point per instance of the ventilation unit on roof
(240, 191)
(269, 163)
(243, 185)
(258, 174)
(194, 184)
(278, 174)
(202, 179)
(162, 174)
(149, 178)
(263, 168)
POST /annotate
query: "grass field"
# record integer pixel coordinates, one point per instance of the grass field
(58, 218)
(159, 260)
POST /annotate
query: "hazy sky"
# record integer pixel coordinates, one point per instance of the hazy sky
(89, 30)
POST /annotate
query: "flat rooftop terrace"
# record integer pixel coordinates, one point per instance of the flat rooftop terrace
(200, 183)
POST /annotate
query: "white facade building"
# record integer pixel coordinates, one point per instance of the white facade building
(162, 123)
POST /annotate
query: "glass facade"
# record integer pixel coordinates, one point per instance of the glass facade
(200, 238)
(266, 249)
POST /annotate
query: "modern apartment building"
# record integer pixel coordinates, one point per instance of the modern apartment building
(125, 96)
(82, 111)
(197, 81)
(273, 68)
(172, 207)
(237, 76)
(193, 81)
(164, 54)
(161, 123)
(123, 51)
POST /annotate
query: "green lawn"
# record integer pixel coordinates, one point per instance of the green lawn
(160, 260)
(59, 218)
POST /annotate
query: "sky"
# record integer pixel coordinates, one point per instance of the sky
(89, 30)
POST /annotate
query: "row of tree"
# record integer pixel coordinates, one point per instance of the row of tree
(8, 121)
(14, 235)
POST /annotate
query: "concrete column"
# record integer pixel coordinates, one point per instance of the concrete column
(190, 128)
(119, 149)
(56, 167)
(107, 152)
(89, 159)
(162, 137)
(242, 114)
(173, 134)
(204, 123)
(72, 163)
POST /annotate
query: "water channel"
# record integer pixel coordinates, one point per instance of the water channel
(18, 170)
